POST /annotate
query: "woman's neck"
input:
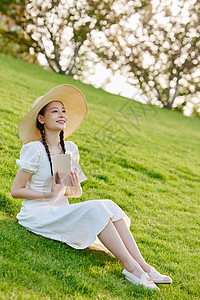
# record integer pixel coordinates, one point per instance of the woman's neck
(52, 139)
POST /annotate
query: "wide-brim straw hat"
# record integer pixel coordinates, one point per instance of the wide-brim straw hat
(74, 103)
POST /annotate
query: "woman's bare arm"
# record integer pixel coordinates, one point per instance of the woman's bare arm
(19, 189)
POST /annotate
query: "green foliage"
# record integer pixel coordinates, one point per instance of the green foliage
(14, 48)
(5, 5)
(13, 40)
(144, 158)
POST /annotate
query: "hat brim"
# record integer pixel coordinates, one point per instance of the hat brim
(74, 103)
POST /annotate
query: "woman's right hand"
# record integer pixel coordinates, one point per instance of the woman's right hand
(57, 186)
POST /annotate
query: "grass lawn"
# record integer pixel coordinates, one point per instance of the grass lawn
(144, 158)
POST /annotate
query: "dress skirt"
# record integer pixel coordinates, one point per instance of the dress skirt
(77, 225)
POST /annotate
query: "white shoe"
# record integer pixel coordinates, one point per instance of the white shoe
(145, 280)
(157, 277)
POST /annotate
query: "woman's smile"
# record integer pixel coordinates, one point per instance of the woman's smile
(61, 121)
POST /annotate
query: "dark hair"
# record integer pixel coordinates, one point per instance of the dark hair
(42, 131)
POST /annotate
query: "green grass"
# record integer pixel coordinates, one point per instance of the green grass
(144, 158)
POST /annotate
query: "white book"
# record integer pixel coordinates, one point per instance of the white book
(62, 164)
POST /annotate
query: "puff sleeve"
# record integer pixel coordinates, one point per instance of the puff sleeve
(30, 155)
(75, 161)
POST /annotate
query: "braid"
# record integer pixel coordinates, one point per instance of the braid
(62, 141)
(41, 128)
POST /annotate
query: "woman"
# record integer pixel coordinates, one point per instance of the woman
(46, 210)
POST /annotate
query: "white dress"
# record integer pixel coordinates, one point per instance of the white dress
(74, 224)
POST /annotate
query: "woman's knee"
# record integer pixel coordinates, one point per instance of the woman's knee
(96, 205)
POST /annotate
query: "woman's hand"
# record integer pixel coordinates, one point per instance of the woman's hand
(57, 186)
(74, 189)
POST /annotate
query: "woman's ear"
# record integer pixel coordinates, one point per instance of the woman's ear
(40, 119)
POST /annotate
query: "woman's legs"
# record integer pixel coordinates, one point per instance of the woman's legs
(110, 237)
(130, 243)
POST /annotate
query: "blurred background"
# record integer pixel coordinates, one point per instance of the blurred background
(144, 50)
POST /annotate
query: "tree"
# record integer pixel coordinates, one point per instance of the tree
(13, 40)
(60, 29)
(158, 49)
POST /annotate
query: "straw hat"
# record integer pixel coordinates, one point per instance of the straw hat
(74, 103)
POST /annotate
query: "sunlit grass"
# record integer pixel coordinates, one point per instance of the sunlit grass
(144, 158)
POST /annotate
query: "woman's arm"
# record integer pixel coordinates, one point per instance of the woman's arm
(19, 189)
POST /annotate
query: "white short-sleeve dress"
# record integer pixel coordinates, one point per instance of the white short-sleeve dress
(75, 224)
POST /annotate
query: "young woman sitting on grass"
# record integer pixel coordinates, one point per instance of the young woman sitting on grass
(46, 210)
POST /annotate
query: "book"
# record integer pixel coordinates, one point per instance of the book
(62, 164)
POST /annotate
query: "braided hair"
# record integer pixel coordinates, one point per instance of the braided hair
(62, 141)
(42, 132)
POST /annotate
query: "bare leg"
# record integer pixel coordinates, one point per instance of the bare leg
(130, 243)
(113, 242)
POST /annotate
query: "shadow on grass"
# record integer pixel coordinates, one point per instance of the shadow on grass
(9, 206)
(139, 168)
(41, 266)
(102, 177)
(186, 173)
(7, 111)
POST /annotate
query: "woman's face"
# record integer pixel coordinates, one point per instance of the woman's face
(55, 117)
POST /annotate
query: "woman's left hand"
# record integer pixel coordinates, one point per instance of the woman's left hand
(74, 189)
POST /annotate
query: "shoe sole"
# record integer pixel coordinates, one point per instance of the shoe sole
(162, 282)
(147, 287)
